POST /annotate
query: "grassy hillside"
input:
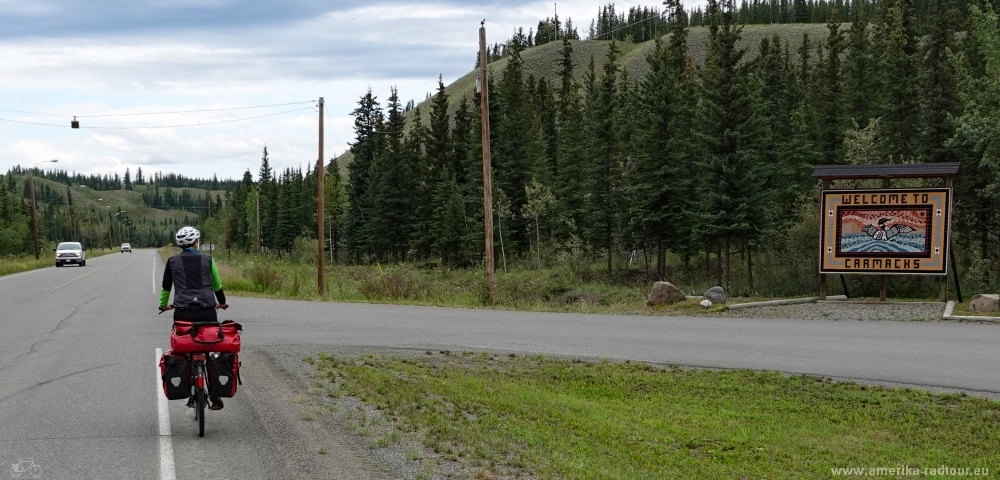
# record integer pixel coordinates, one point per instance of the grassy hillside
(543, 61)
(128, 200)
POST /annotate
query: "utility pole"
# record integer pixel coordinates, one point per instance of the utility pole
(90, 231)
(556, 9)
(69, 217)
(257, 193)
(34, 221)
(211, 248)
(484, 107)
(320, 179)
(229, 229)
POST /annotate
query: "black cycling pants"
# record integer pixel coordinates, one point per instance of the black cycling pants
(200, 315)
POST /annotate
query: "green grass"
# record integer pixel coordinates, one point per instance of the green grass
(963, 309)
(563, 419)
(550, 289)
(565, 288)
(12, 265)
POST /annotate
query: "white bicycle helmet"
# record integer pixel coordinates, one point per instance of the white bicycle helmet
(186, 236)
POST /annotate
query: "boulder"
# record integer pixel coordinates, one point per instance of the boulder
(665, 293)
(985, 303)
(706, 303)
(715, 295)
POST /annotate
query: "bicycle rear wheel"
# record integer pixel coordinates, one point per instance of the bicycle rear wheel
(200, 411)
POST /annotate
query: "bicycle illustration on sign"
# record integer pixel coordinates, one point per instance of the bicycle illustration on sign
(25, 466)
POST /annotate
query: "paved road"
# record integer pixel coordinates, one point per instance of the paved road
(77, 376)
(949, 355)
(78, 393)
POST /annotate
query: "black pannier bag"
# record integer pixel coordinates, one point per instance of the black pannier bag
(176, 376)
(224, 375)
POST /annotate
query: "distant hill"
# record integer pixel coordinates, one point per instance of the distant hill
(129, 201)
(543, 61)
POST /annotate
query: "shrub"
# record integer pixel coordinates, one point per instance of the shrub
(391, 286)
(304, 250)
(263, 274)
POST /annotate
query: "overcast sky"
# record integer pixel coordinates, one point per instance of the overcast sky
(60, 58)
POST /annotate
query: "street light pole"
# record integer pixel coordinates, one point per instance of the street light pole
(34, 220)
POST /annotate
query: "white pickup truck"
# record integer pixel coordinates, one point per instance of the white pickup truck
(71, 252)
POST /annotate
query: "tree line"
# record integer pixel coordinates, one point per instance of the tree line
(128, 182)
(692, 159)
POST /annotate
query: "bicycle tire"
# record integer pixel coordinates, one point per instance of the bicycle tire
(200, 411)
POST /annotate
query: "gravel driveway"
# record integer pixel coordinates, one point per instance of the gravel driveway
(898, 311)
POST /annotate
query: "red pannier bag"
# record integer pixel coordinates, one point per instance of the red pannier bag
(176, 376)
(224, 374)
(200, 337)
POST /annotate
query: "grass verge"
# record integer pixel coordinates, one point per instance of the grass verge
(569, 419)
(12, 265)
(963, 309)
(550, 289)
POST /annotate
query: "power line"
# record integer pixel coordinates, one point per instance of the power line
(470, 36)
(509, 9)
(438, 72)
(200, 110)
(332, 130)
(161, 126)
(155, 113)
(32, 123)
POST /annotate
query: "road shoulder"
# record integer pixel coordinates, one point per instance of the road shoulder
(277, 396)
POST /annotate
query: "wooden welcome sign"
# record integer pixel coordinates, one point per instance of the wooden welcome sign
(886, 232)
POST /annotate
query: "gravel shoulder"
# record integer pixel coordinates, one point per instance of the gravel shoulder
(846, 311)
(333, 437)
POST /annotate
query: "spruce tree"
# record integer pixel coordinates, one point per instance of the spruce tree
(896, 43)
(572, 147)
(663, 187)
(391, 210)
(730, 130)
(603, 164)
(513, 137)
(829, 100)
(978, 130)
(448, 219)
(940, 103)
(267, 185)
(859, 64)
(367, 122)
(335, 205)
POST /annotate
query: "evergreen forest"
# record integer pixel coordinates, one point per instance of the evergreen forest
(699, 165)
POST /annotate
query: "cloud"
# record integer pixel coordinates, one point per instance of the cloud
(64, 58)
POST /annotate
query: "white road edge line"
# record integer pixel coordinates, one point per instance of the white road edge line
(166, 441)
(73, 280)
(19, 274)
(154, 274)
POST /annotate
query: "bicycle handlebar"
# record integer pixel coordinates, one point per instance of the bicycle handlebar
(223, 306)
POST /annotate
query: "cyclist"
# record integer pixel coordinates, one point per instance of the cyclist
(199, 289)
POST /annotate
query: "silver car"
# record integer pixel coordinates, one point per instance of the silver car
(127, 247)
(71, 252)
